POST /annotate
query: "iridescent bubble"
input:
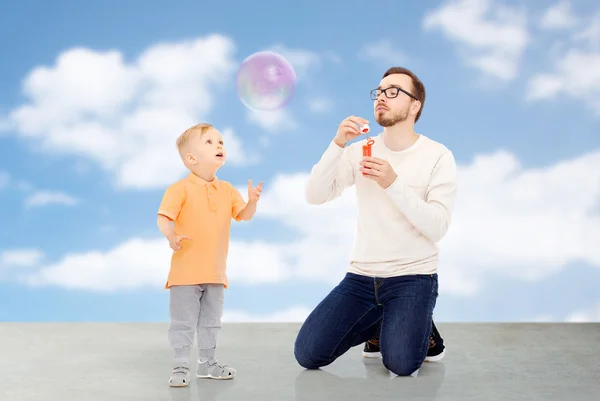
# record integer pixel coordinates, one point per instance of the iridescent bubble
(266, 81)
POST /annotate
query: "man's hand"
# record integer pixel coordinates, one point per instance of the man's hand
(378, 170)
(254, 193)
(175, 241)
(348, 130)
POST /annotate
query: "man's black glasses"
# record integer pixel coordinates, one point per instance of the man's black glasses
(390, 93)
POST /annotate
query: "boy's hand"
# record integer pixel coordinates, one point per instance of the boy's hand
(254, 193)
(175, 241)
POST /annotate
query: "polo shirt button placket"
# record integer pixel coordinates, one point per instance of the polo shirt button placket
(211, 204)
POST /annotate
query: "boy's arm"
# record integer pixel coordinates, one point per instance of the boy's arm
(431, 217)
(169, 208)
(239, 209)
(330, 176)
(165, 227)
(247, 212)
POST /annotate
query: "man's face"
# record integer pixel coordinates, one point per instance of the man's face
(393, 110)
(208, 149)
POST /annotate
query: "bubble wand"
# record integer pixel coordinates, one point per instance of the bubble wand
(367, 147)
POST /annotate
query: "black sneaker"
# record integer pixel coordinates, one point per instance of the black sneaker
(436, 349)
(435, 352)
(371, 349)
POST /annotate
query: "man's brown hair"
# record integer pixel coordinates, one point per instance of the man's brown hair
(417, 90)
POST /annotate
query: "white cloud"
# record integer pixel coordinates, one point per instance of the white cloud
(23, 185)
(4, 179)
(236, 155)
(20, 258)
(589, 315)
(584, 316)
(574, 72)
(491, 36)
(145, 262)
(506, 223)
(302, 60)
(559, 16)
(383, 52)
(507, 217)
(125, 115)
(545, 318)
(45, 198)
(5, 124)
(320, 105)
(590, 34)
(291, 315)
(273, 121)
(134, 263)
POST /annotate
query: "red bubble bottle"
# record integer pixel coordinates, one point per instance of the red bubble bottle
(366, 149)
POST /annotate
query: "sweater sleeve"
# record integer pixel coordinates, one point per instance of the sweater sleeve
(330, 176)
(432, 216)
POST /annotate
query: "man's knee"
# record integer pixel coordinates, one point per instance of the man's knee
(402, 365)
(306, 360)
(309, 351)
(306, 356)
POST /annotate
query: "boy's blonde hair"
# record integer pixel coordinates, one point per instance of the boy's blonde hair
(189, 134)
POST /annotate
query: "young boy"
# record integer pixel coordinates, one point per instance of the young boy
(201, 208)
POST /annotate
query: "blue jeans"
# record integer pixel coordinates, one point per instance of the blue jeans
(351, 313)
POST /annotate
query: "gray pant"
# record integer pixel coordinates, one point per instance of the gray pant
(195, 309)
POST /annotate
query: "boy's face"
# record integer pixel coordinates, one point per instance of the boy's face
(207, 150)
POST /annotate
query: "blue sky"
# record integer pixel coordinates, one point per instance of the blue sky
(94, 94)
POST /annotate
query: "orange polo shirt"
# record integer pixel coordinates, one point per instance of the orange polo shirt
(202, 211)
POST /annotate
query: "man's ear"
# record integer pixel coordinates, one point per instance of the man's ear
(416, 107)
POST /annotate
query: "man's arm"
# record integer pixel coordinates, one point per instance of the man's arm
(330, 176)
(431, 217)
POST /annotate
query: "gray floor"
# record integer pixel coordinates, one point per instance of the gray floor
(110, 362)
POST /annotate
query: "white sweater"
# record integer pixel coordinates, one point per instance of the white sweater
(397, 228)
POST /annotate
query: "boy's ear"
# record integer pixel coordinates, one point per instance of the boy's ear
(190, 159)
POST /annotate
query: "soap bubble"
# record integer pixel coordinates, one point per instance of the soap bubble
(266, 81)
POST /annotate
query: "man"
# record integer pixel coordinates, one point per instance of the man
(405, 193)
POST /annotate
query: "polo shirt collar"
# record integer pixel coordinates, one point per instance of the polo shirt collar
(199, 181)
